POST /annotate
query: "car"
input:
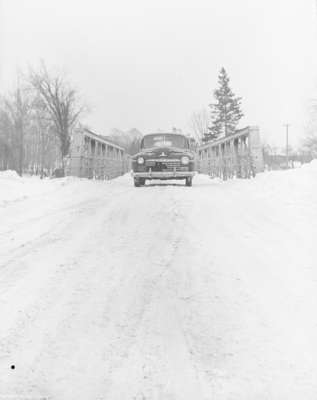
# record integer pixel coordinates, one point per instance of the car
(164, 156)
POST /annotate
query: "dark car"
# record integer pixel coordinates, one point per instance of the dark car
(164, 156)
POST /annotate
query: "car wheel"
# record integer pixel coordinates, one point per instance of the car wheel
(189, 181)
(136, 182)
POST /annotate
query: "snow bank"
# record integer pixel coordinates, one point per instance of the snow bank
(310, 166)
(9, 174)
(14, 188)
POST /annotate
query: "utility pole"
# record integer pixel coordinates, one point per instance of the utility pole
(286, 150)
(19, 127)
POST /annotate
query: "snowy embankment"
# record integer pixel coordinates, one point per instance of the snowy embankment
(163, 292)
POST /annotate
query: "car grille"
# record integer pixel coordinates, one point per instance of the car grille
(165, 165)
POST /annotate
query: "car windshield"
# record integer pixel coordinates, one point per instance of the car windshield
(164, 140)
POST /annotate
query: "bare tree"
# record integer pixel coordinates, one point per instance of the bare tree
(309, 144)
(199, 123)
(6, 135)
(42, 141)
(61, 103)
(15, 118)
(36, 123)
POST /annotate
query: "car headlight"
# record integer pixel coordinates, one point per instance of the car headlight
(185, 160)
(140, 160)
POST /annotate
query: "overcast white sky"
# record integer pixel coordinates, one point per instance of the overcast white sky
(150, 64)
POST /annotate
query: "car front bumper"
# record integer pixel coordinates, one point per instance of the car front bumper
(163, 174)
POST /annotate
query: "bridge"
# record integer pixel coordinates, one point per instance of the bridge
(239, 155)
(95, 156)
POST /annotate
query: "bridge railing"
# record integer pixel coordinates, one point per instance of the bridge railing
(93, 156)
(239, 155)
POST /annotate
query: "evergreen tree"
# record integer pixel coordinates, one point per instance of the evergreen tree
(209, 136)
(225, 111)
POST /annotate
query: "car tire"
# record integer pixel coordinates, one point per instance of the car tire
(189, 181)
(139, 182)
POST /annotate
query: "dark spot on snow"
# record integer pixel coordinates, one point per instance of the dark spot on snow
(12, 366)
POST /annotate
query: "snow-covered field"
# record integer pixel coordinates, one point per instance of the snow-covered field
(110, 292)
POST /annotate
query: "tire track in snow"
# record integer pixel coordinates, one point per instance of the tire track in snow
(50, 275)
(158, 363)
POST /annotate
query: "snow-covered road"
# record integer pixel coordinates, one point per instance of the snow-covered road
(110, 292)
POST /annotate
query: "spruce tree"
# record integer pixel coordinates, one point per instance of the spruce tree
(225, 111)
